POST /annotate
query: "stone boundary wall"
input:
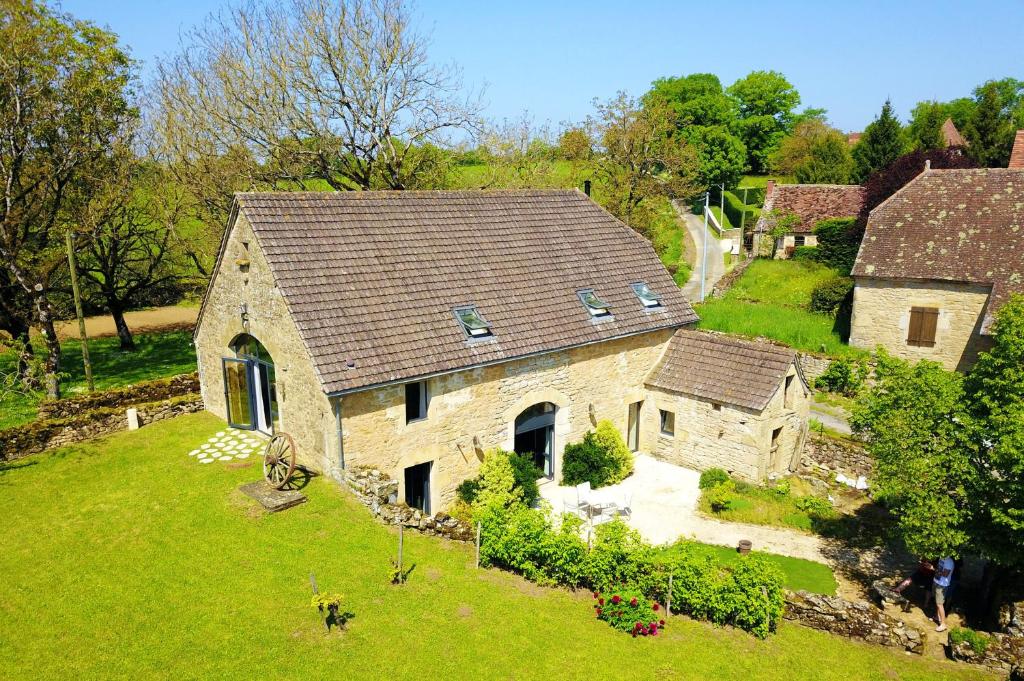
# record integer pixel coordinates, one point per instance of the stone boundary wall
(379, 493)
(812, 366)
(45, 434)
(830, 455)
(140, 393)
(1003, 653)
(726, 282)
(859, 620)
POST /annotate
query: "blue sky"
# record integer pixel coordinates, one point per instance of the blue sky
(553, 58)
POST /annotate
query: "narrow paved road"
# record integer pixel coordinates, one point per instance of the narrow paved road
(716, 261)
(831, 417)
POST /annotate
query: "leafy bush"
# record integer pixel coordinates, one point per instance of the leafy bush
(601, 458)
(523, 539)
(783, 488)
(814, 506)
(843, 376)
(978, 641)
(755, 592)
(838, 243)
(830, 295)
(712, 477)
(805, 253)
(497, 483)
(467, 490)
(524, 473)
(630, 611)
(721, 497)
(620, 556)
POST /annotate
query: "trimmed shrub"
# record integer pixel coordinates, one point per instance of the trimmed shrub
(805, 253)
(712, 477)
(755, 592)
(838, 243)
(830, 295)
(467, 490)
(609, 437)
(601, 458)
(721, 497)
(620, 556)
(524, 473)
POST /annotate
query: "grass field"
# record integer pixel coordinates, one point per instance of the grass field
(158, 355)
(142, 563)
(770, 301)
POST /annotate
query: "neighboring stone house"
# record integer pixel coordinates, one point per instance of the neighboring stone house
(811, 203)
(723, 402)
(937, 260)
(412, 331)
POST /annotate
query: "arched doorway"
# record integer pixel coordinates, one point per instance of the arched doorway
(250, 386)
(535, 435)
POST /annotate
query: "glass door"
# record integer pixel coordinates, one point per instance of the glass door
(633, 427)
(238, 393)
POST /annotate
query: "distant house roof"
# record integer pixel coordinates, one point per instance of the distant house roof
(951, 225)
(951, 137)
(373, 279)
(811, 203)
(853, 137)
(1017, 155)
(722, 369)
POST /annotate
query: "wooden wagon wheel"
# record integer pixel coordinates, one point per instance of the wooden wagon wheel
(279, 460)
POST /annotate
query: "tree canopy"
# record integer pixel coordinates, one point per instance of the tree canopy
(814, 153)
(880, 145)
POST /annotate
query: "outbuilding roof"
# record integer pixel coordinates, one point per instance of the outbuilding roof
(951, 225)
(378, 283)
(811, 203)
(722, 369)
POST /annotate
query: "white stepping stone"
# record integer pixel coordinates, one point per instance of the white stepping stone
(220, 434)
(243, 455)
(224, 458)
(193, 452)
(205, 460)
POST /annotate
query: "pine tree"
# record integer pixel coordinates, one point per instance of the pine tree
(990, 130)
(881, 144)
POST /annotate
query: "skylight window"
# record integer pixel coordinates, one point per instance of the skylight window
(472, 322)
(647, 297)
(594, 305)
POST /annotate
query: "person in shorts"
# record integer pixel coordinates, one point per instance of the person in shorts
(943, 576)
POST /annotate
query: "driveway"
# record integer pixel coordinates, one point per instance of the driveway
(664, 501)
(716, 254)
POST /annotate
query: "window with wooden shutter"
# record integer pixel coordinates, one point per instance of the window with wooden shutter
(923, 322)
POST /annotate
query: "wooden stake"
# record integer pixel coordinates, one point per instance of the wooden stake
(78, 312)
(401, 540)
(478, 545)
(668, 605)
(312, 583)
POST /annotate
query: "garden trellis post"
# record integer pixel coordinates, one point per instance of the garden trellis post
(668, 598)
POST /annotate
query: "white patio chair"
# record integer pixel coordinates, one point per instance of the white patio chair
(627, 504)
(578, 502)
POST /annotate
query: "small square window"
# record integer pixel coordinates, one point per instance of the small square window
(416, 401)
(668, 422)
(595, 306)
(472, 322)
(799, 240)
(716, 406)
(647, 297)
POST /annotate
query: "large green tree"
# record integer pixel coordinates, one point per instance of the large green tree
(814, 153)
(925, 128)
(882, 143)
(991, 127)
(766, 102)
(64, 101)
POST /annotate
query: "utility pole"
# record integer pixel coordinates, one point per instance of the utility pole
(721, 207)
(704, 257)
(78, 312)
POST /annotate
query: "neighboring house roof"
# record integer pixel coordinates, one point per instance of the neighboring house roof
(722, 369)
(1017, 155)
(853, 137)
(372, 279)
(811, 203)
(951, 225)
(951, 137)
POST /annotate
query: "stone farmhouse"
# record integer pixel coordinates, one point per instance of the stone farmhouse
(412, 331)
(937, 260)
(811, 203)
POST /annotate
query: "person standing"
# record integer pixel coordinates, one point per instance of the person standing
(943, 576)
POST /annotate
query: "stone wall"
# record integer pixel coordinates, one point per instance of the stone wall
(140, 393)
(304, 410)
(45, 434)
(812, 366)
(379, 493)
(737, 439)
(832, 455)
(726, 282)
(474, 410)
(1003, 653)
(860, 620)
(881, 316)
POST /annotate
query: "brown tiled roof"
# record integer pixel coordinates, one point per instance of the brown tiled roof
(951, 137)
(951, 225)
(811, 203)
(722, 369)
(853, 137)
(1017, 155)
(372, 278)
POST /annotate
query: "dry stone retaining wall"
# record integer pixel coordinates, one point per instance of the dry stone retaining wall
(830, 455)
(1003, 653)
(140, 393)
(859, 620)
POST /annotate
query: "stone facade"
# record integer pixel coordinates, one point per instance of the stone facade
(737, 439)
(859, 620)
(474, 410)
(881, 316)
(788, 243)
(304, 409)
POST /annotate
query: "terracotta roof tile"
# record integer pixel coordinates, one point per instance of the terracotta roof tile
(811, 203)
(951, 137)
(374, 277)
(951, 225)
(722, 368)
(1017, 155)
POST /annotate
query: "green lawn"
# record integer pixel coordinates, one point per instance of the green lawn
(770, 300)
(764, 506)
(125, 558)
(158, 355)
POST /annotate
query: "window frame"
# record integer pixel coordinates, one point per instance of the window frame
(489, 334)
(927, 318)
(654, 303)
(799, 240)
(666, 416)
(595, 313)
(423, 407)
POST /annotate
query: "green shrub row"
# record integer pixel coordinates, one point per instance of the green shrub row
(601, 458)
(526, 475)
(843, 376)
(831, 295)
(735, 208)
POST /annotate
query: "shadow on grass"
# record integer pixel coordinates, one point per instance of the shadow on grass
(8, 466)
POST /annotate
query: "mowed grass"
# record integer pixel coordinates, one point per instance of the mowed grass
(770, 300)
(798, 573)
(124, 558)
(158, 355)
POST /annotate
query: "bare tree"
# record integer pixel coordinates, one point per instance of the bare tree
(306, 94)
(520, 154)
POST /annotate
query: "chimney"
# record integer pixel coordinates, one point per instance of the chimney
(927, 164)
(586, 187)
(769, 187)
(1017, 155)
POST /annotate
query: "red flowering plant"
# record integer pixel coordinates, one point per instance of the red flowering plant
(629, 611)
